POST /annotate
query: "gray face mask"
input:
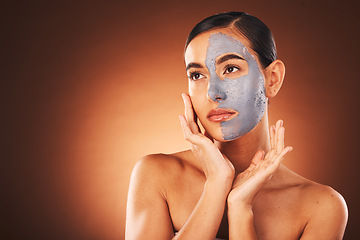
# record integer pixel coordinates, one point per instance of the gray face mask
(245, 94)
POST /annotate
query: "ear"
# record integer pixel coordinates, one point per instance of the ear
(274, 77)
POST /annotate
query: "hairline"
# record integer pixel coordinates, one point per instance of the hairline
(230, 26)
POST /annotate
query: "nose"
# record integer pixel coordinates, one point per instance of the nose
(216, 90)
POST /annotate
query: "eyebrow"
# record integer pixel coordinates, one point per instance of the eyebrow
(194, 65)
(228, 57)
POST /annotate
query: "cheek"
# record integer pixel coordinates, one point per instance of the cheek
(238, 93)
(247, 96)
(198, 104)
(198, 89)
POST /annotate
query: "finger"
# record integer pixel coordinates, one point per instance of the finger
(189, 114)
(270, 156)
(184, 126)
(280, 140)
(280, 157)
(188, 135)
(277, 126)
(272, 136)
(258, 157)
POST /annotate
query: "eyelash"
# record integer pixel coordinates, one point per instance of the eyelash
(231, 66)
(192, 74)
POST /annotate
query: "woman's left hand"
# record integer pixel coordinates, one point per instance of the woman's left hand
(248, 183)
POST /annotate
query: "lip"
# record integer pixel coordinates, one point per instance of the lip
(221, 114)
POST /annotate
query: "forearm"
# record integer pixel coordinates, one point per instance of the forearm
(206, 217)
(241, 223)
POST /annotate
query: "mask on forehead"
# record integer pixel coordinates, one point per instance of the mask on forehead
(245, 94)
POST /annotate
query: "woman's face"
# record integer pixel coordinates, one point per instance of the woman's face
(226, 83)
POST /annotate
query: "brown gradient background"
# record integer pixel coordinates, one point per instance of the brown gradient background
(88, 87)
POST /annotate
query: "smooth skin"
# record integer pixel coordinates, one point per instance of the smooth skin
(228, 189)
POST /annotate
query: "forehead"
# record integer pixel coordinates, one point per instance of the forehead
(198, 47)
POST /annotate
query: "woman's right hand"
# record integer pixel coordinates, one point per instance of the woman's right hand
(214, 164)
(248, 183)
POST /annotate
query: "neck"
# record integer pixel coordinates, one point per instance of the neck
(241, 151)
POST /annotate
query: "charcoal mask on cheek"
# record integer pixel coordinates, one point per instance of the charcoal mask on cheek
(245, 94)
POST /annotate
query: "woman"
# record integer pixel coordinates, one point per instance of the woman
(231, 184)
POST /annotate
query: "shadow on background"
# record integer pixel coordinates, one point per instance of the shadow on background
(89, 87)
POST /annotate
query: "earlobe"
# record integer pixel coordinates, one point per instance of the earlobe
(274, 77)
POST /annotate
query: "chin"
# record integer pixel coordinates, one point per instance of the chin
(223, 139)
(216, 133)
(219, 136)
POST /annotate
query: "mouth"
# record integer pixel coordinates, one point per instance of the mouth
(220, 114)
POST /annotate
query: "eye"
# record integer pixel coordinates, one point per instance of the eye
(230, 69)
(195, 76)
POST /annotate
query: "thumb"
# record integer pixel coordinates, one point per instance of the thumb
(258, 157)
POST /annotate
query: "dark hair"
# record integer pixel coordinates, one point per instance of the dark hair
(259, 35)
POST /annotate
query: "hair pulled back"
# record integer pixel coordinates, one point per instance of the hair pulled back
(259, 35)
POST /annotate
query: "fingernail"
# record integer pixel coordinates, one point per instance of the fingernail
(281, 123)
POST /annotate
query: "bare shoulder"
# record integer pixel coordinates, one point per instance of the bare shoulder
(319, 193)
(147, 208)
(160, 166)
(324, 209)
(155, 162)
(320, 198)
(324, 201)
(161, 161)
(312, 193)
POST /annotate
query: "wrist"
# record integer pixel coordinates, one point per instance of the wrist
(219, 183)
(243, 206)
(238, 199)
(241, 222)
(244, 211)
(221, 174)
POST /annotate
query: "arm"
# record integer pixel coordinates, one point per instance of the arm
(329, 216)
(206, 217)
(241, 222)
(248, 183)
(147, 214)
